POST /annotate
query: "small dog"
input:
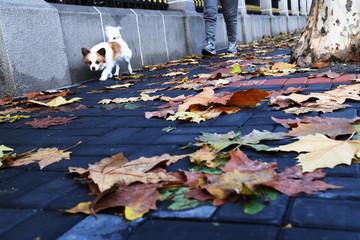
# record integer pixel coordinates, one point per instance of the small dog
(106, 55)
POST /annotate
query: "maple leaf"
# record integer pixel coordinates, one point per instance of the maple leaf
(221, 186)
(324, 107)
(255, 137)
(250, 97)
(322, 152)
(205, 154)
(49, 121)
(118, 170)
(218, 141)
(56, 102)
(242, 163)
(43, 156)
(331, 127)
(292, 182)
(3, 149)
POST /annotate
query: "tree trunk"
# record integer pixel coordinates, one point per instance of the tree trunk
(332, 33)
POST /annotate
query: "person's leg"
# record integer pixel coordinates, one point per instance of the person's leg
(229, 8)
(210, 17)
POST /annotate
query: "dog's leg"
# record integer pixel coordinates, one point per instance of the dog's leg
(117, 70)
(128, 64)
(106, 73)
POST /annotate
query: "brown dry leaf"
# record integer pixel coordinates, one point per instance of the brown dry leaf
(204, 98)
(117, 170)
(44, 157)
(221, 186)
(249, 97)
(328, 74)
(205, 154)
(292, 182)
(49, 121)
(322, 152)
(331, 127)
(324, 107)
(282, 66)
(321, 64)
(19, 109)
(242, 163)
(6, 100)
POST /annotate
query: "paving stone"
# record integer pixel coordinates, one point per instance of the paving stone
(200, 129)
(272, 213)
(237, 119)
(42, 195)
(342, 113)
(316, 234)
(325, 214)
(105, 227)
(343, 171)
(199, 213)
(174, 229)
(11, 217)
(43, 225)
(145, 136)
(296, 81)
(7, 173)
(117, 136)
(73, 197)
(248, 129)
(180, 139)
(75, 161)
(152, 150)
(21, 184)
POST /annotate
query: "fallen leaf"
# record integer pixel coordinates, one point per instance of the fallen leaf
(205, 154)
(322, 152)
(44, 157)
(331, 127)
(218, 141)
(236, 69)
(119, 170)
(168, 129)
(3, 149)
(125, 85)
(10, 119)
(56, 102)
(49, 121)
(321, 64)
(292, 182)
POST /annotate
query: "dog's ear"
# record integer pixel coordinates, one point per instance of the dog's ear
(101, 51)
(85, 51)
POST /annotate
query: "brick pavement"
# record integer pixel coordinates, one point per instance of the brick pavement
(30, 198)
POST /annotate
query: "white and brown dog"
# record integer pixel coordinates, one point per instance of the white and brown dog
(107, 55)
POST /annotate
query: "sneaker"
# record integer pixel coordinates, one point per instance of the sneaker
(209, 49)
(232, 47)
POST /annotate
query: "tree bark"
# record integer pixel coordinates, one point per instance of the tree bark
(332, 33)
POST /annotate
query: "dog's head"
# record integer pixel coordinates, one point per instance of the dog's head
(95, 60)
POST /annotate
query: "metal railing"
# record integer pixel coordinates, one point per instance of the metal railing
(253, 6)
(141, 4)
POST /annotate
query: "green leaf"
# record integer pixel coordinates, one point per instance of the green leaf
(179, 201)
(255, 137)
(168, 129)
(3, 149)
(236, 69)
(357, 128)
(219, 141)
(253, 207)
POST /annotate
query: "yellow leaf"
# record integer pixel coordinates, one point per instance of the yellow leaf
(125, 85)
(56, 102)
(83, 207)
(133, 213)
(192, 117)
(174, 74)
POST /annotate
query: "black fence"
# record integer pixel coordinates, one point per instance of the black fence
(275, 7)
(142, 4)
(253, 6)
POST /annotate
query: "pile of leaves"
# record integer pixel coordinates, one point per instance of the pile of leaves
(221, 173)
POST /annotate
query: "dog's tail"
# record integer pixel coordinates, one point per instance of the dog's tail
(112, 32)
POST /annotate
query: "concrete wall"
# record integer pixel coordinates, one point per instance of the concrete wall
(40, 43)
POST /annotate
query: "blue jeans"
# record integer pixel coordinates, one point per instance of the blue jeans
(229, 8)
